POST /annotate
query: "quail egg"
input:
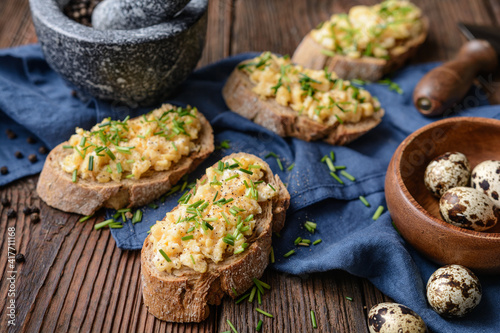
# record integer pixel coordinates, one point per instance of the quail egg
(453, 291)
(486, 177)
(394, 317)
(446, 171)
(467, 208)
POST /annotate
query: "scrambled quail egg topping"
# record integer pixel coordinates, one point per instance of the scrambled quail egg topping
(378, 31)
(113, 150)
(215, 220)
(319, 95)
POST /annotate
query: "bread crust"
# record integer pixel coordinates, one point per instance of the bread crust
(284, 121)
(308, 54)
(184, 295)
(85, 197)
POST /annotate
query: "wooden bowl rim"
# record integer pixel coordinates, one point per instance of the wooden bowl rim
(434, 220)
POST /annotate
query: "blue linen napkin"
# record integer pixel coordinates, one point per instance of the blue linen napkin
(35, 101)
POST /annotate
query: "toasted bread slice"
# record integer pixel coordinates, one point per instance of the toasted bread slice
(57, 189)
(284, 121)
(184, 294)
(309, 54)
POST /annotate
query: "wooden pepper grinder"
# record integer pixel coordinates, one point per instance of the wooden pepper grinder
(134, 14)
(446, 85)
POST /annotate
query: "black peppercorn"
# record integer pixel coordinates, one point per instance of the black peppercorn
(11, 213)
(27, 211)
(5, 202)
(4, 170)
(32, 158)
(35, 218)
(20, 258)
(31, 140)
(43, 150)
(18, 154)
(10, 134)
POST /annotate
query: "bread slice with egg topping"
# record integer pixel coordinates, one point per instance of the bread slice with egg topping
(125, 163)
(367, 43)
(215, 241)
(294, 101)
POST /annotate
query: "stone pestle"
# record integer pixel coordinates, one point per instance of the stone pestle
(134, 14)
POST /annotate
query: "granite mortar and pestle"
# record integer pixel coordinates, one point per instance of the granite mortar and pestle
(138, 62)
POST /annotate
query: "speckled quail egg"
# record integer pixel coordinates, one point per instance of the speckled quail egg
(467, 208)
(486, 177)
(394, 317)
(453, 291)
(446, 171)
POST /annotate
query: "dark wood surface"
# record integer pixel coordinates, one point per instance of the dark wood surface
(76, 279)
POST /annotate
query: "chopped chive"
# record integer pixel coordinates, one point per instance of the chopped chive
(225, 217)
(164, 255)
(347, 175)
(237, 162)
(185, 238)
(271, 186)
(79, 152)
(123, 210)
(91, 163)
(192, 259)
(297, 241)
(323, 159)
(137, 216)
(116, 225)
(291, 167)
(82, 141)
(260, 290)
(332, 156)
(152, 205)
(328, 53)
(119, 167)
(262, 283)
(305, 241)
(254, 166)
(103, 224)
(68, 147)
(271, 154)
(129, 176)
(259, 326)
(209, 226)
(348, 298)
(232, 177)
(232, 326)
(259, 298)
(234, 291)
(73, 177)
(289, 253)
(242, 298)
(279, 164)
(340, 167)
(85, 218)
(175, 147)
(246, 171)
(272, 255)
(364, 201)
(190, 230)
(316, 242)
(313, 319)
(336, 178)
(264, 313)
(277, 234)
(252, 294)
(378, 212)
(330, 164)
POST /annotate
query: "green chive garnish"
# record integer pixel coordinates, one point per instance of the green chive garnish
(85, 218)
(259, 298)
(232, 326)
(82, 141)
(234, 291)
(328, 53)
(252, 294)
(347, 175)
(330, 164)
(378, 212)
(103, 224)
(119, 167)
(263, 284)
(110, 154)
(91, 163)
(271, 154)
(313, 319)
(336, 178)
(192, 259)
(185, 238)
(289, 253)
(348, 298)
(291, 167)
(279, 164)
(364, 201)
(175, 147)
(242, 298)
(73, 178)
(246, 171)
(259, 326)
(264, 313)
(116, 225)
(340, 167)
(297, 241)
(316, 242)
(164, 255)
(232, 177)
(271, 186)
(68, 147)
(152, 205)
(137, 216)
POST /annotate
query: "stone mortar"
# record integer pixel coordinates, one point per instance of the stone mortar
(138, 67)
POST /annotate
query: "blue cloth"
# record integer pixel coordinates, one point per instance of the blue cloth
(33, 99)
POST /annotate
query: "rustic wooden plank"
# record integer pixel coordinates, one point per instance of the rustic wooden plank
(494, 10)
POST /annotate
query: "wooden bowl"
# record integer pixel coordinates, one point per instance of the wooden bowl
(416, 212)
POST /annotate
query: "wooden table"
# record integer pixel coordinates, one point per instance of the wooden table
(76, 279)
